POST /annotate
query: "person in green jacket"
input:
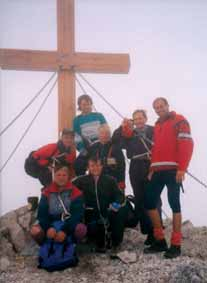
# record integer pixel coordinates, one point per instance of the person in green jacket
(85, 126)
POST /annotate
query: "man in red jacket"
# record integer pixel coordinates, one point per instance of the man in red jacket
(171, 154)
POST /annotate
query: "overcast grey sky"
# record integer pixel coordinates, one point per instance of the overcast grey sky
(167, 43)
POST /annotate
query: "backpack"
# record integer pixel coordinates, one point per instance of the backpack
(31, 166)
(131, 218)
(55, 256)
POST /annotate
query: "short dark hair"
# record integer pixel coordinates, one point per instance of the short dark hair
(160, 98)
(95, 159)
(84, 97)
(67, 131)
(142, 111)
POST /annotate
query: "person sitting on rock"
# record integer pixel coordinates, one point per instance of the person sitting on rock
(40, 162)
(104, 206)
(60, 210)
(111, 155)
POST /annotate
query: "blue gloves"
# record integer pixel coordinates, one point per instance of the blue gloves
(115, 206)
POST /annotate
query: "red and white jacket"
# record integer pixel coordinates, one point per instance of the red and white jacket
(173, 144)
(51, 150)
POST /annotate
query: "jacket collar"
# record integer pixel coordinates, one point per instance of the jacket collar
(93, 177)
(62, 148)
(53, 188)
(170, 115)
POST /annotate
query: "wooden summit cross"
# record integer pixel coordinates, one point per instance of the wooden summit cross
(65, 60)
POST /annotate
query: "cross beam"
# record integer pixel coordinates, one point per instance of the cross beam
(66, 61)
(14, 59)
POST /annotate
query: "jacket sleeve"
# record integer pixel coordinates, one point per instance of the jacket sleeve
(102, 119)
(43, 153)
(118, 139)
(77, 212)
(121, 166)
(78, 139)
(43, 214)
(184, 144)
(117, 194)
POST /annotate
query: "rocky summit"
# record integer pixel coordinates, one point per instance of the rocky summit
(18, 257)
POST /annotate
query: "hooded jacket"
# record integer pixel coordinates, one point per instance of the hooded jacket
(50, 209)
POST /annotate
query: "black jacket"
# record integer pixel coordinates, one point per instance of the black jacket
(135, 145)
(112, 157)
(107, 193)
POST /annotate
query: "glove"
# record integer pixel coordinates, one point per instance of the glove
(122, 185)
(115, 206)
(127, 128)
(80, 231)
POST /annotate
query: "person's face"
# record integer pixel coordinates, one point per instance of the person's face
(61, 177)
(161, 108)
(139, 120)
(95, 168)
(85, 106)
(104, 135)
(68, 140)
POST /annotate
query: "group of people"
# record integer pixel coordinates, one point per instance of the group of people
(84, 196)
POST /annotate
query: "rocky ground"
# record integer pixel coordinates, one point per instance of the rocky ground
(18, 262)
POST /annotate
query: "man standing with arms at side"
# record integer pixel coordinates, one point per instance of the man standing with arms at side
(171, 154)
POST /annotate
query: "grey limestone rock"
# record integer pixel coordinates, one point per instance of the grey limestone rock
(19, 257)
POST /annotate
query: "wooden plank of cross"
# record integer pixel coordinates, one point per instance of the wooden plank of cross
(65, 60)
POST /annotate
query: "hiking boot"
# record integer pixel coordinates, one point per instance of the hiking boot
(172, 252)
(157, 247)
(114, 251)
(149, 240)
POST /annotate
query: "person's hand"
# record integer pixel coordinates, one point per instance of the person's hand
(51, 233)
(60, 236)
(149, 155)
(114, 206)
(122, 185)
(180, 176)
(149, 177)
